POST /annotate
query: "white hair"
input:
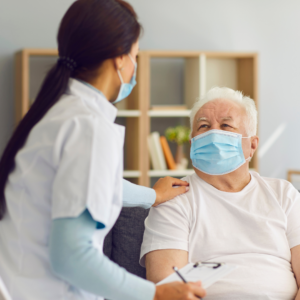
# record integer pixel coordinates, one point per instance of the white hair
(226, 93)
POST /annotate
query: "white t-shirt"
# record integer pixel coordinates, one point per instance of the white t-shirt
(72, 160)
(254, 229)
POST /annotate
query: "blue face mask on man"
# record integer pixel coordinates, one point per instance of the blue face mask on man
(217, 152)
(126, 88)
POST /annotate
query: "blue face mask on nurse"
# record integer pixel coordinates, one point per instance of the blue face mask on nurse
(221, 141)
(126, 88)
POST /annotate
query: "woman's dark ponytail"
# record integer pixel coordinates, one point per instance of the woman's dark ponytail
(90, 32)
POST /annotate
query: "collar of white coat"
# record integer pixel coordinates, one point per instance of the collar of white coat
(94, 99)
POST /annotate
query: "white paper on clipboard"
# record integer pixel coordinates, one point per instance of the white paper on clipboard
(205, 273)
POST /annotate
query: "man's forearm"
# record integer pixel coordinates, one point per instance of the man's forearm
(159, 263)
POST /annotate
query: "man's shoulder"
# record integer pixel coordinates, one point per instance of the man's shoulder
(280, 186)
(191, 179)
(188, 198)
(270, 180)
(180, 200)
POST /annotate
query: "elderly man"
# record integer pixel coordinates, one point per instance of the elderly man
(229, 215)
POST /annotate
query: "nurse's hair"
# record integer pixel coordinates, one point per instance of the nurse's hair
(226, 93)
(90, 32)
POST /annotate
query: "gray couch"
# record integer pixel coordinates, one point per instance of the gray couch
(123, 243)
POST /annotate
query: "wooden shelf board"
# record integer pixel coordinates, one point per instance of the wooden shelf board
(169, 113)
(40, 52)
(209, 54)
(158, 53)
(131, 174)
(173, 173)
(128, 113)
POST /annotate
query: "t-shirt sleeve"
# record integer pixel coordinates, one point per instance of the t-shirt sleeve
(167, 227)
(293, 216)
(87, 153)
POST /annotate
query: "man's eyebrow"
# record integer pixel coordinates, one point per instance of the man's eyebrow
(227, 118)
(201, 119)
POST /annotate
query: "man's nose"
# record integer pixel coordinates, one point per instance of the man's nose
(215, 126)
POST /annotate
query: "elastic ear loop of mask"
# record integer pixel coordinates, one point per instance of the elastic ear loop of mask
(247, 137)
(120, 76)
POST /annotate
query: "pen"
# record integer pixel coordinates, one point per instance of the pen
(181, 277)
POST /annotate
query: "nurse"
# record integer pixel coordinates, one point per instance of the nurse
(61, 172)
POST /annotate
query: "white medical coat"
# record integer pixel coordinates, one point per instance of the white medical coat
(72, 160)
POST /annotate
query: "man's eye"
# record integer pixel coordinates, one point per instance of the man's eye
(203, 126)
(226, 125)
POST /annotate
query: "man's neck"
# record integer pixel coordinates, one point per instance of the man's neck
(233, 182)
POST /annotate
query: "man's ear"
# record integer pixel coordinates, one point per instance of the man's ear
(254, 144)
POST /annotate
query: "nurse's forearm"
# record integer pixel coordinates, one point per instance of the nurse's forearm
(74, 259)
(137, 195)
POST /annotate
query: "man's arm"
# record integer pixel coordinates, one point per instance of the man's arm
(166, 238)
(296, 267)
(159, 263)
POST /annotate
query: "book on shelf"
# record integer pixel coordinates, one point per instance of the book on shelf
(153, 156)
(156, 152)
(168, 107)
(168, 154)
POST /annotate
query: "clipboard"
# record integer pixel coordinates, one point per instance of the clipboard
(207, 272)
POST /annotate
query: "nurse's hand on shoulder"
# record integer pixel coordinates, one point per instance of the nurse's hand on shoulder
(179, 291)
(168, 188)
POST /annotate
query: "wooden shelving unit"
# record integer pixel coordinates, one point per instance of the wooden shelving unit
(196, 71)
